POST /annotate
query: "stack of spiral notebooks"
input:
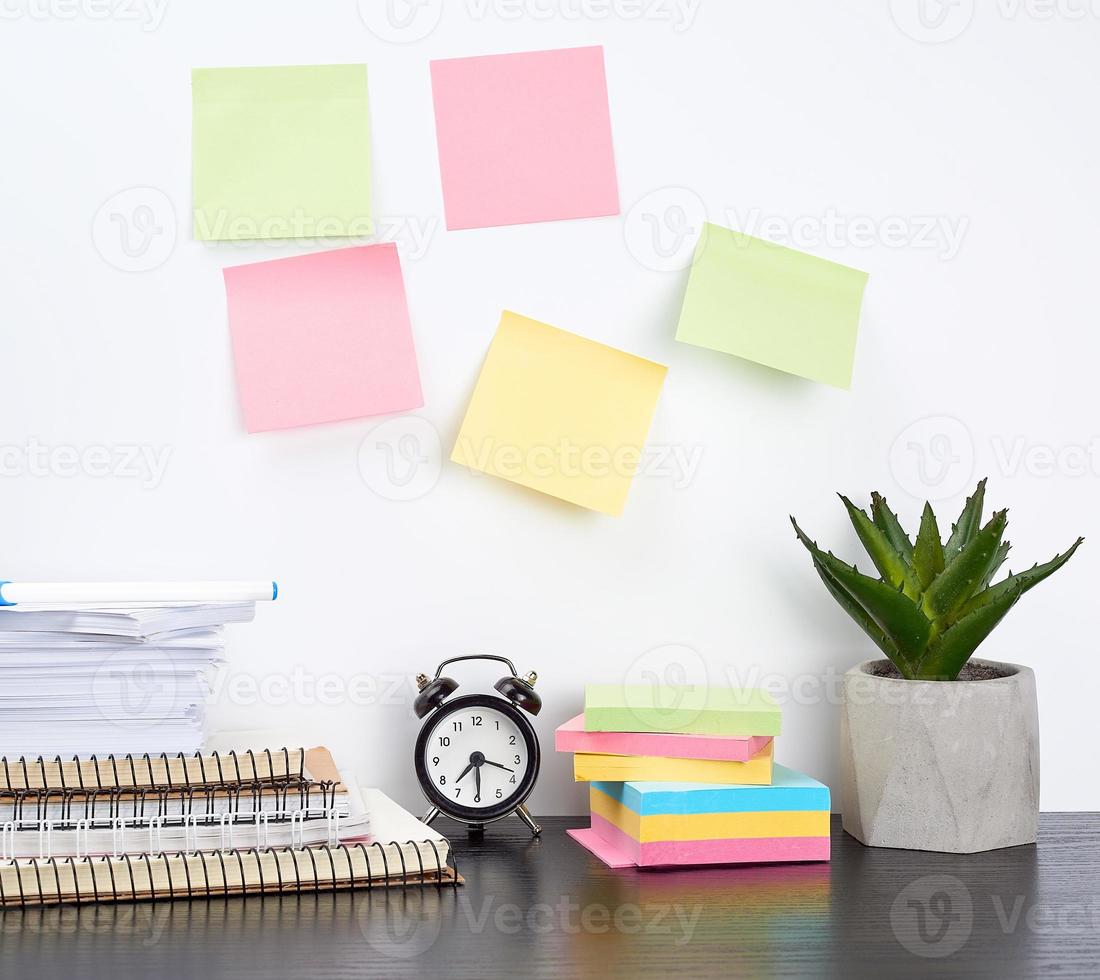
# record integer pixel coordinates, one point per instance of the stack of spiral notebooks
(137, 828)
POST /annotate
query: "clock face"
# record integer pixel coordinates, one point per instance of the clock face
(477, 758)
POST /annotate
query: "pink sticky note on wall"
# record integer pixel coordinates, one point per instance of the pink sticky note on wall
(524, 137)
(322, 337)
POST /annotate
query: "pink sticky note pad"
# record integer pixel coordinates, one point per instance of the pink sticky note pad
(322, 337)
(618, 846)
(610, 854)
(524, 137)
(572, 737)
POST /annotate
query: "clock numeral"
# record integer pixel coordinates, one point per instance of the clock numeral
(442, 780)
(511, 739)
(497, 723)
(444, 740)
(458, 726)
(513, 779)
(518, 760)
(435, 760)
(475, 720)
(500, 793)
(458, 793)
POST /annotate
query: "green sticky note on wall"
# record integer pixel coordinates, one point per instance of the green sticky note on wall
(281, 152)
(773, 305)
(696, 709)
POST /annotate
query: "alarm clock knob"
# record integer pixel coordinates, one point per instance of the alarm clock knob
(432, 693)
(521, 691)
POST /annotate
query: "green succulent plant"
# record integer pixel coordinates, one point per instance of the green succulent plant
(933, 604)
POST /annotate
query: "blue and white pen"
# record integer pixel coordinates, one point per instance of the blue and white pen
(123, 593)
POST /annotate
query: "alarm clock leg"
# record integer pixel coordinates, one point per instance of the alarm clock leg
(525, 815)
(430, 815)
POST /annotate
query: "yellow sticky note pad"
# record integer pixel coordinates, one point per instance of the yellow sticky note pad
(560, 414)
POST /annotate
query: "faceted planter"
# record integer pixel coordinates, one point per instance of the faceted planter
(940, 766)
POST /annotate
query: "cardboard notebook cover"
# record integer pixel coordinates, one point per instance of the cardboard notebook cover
(143, 771)
(400, 851)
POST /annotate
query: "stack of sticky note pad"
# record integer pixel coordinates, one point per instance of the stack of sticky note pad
(685, 775)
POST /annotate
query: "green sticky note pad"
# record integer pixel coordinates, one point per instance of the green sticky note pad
(696, 709)
(281, 152)
(773, 305)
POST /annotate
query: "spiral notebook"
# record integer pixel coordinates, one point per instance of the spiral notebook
(291, 823)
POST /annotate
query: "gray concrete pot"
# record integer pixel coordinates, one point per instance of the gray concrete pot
(940, 766)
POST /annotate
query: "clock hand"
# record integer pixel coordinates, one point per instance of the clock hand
(477, 785)
(464, 771)
(498, 766)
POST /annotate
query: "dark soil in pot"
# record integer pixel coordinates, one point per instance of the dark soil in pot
(973, 671)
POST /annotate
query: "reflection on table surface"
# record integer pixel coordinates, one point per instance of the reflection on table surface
(548, 908)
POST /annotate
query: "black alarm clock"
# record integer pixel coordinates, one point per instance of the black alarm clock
(477, 757)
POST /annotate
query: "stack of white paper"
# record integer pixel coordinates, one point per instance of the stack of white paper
(109, 681)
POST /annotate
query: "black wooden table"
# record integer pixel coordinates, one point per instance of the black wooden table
(547, 908)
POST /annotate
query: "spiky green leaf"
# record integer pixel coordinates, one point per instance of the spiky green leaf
(928, 558)
(947, 655)
(889, 563)
(887, 522)
(848, 603)
(968, 524)
(892, 611)
(998, 561)
(964, 572)
(1022, 581)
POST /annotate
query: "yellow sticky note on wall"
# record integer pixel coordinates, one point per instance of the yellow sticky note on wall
(560, 414)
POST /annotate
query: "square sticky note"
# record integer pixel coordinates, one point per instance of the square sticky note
(524, 137)
(560, 413)
(281, 152)
(322, 337)
(773, 305)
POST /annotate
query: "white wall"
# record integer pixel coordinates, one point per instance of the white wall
(824, 112)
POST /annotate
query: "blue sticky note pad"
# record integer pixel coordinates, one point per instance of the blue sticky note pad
(790, 790)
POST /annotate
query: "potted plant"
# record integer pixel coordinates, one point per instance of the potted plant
(939, 752)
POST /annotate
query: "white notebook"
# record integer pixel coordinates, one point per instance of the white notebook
(137, 623)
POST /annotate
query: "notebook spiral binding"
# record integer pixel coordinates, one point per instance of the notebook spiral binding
(151, 770)
(67, 807)
(191, 824)
(334, 868)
